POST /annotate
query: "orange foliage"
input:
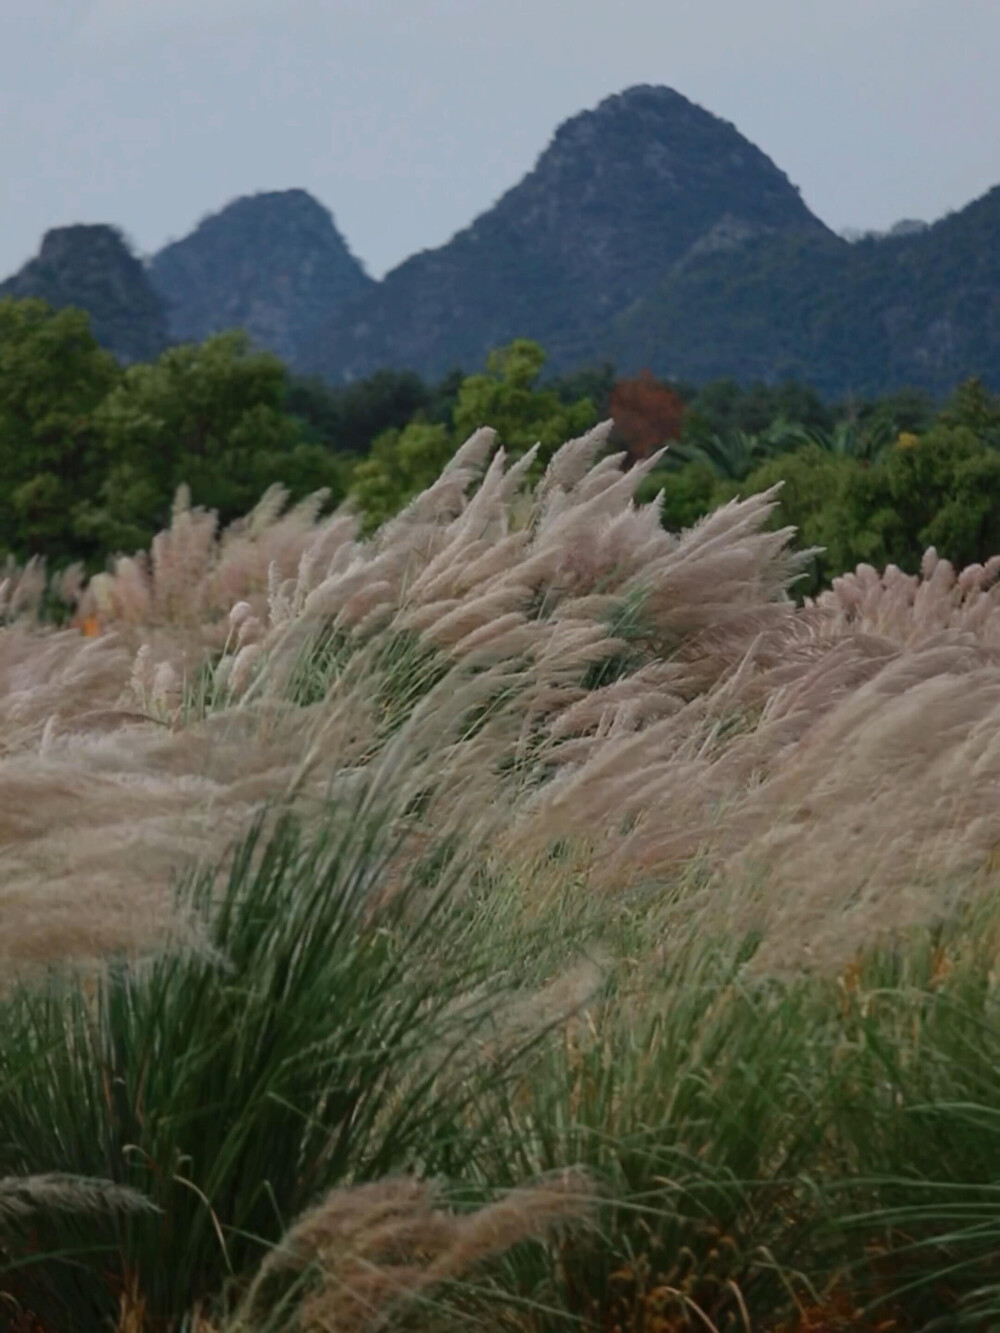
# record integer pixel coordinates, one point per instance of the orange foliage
(646, 414)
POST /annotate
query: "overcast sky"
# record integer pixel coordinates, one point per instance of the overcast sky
(408, 117)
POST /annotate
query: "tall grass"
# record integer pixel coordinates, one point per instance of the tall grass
(524, 919)
(309, 1047)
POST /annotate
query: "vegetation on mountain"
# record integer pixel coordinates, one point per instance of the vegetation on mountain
(621, 195)
(914, 310)
(271, 264)
(93, 268)
(649, 234)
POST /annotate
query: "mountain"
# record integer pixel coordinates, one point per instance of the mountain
(273, 264)
(621, 197)
(649, 233)
(918, 306)
(93, 267)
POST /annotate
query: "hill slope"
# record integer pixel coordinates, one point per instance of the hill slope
(649, 232)
(273, 264)
(621, 195)
(918, 308)
(92, 267)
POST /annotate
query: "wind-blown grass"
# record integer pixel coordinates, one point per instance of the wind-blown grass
(308, 1048)
(526, 918)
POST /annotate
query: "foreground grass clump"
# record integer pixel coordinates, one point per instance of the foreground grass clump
(820, 1153)
(526, 919)
(753, 1152)
(307, 1045)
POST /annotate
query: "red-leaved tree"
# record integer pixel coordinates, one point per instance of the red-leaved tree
(646, 413)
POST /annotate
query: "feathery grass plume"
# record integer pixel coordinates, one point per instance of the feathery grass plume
(529, 728)
(910, 608)
(626, 670)
(898, 777)
(664, 678)
(94, 824)
(193, 575)
(368, 1252)
(22, 589)
(27, 592)
(51, 679)
(21, 1197)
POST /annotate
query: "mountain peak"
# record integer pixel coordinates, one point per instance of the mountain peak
(92, 266)
(649, 147)
(272, 263)
(621, 195)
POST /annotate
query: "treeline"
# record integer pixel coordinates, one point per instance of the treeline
(92, 454)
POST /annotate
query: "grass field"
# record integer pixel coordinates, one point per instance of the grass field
(526, 919)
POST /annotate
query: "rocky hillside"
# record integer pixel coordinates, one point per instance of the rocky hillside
(273, 264)
(622, 195)
(649, 232)
(93, 267)
(917, 307)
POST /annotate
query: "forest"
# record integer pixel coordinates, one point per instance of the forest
(92, 453)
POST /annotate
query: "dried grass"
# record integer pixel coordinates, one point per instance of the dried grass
(652, 697)
(375, 1247)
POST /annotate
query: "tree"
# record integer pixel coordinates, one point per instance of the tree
(975, 408)
(734, 456)
(350, 418)
(941, 489)
(401, 465)
(594, 382)
(506, 397)
(509, 398)
(646, 413)
(210, 416)
(53, 379)
(688, 493)
(821, 497)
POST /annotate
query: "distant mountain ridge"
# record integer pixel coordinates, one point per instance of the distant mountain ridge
(93, 267)
(649, 232)
(917, 307)
(273, 264)
(621, 194)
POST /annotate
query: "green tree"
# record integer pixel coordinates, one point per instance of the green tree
(821, 497)
(974, 407)
(53, 379)
(349, 418)
(402, 464)
(940, 489)
(507, 397)
(211, 416)
(594, 382)
(688, 493)
(905, 410)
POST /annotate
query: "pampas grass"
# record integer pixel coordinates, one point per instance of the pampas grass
(568, 845)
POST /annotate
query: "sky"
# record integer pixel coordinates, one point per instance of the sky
(407, 118)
